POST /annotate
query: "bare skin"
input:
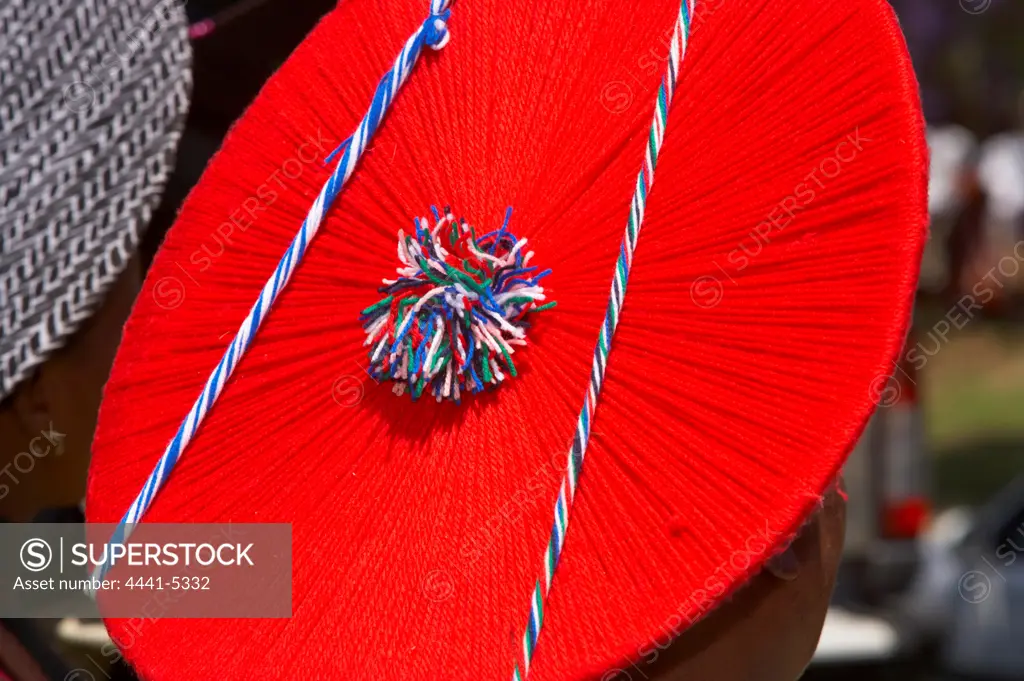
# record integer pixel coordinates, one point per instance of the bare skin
(768, 631)
(47, 424)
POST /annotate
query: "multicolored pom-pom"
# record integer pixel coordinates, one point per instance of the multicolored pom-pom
(451, 321)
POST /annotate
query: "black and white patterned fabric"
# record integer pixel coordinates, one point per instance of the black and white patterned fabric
(93, 97)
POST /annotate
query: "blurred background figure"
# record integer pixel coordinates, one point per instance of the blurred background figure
(953, 196)
(1001, 180)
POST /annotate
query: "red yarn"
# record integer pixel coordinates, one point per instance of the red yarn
(772, 285)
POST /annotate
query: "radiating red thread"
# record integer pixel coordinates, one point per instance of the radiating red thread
(739, 380)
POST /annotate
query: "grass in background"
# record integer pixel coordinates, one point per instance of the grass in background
(973, 401)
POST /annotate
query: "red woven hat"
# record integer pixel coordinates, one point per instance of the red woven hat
(428, 436)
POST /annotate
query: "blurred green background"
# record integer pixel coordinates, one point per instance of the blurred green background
(969, 57)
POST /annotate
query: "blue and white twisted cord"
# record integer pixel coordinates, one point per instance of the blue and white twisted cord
(432, 33)
(578, 450)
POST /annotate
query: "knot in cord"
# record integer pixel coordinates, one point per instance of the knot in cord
(435, 28)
